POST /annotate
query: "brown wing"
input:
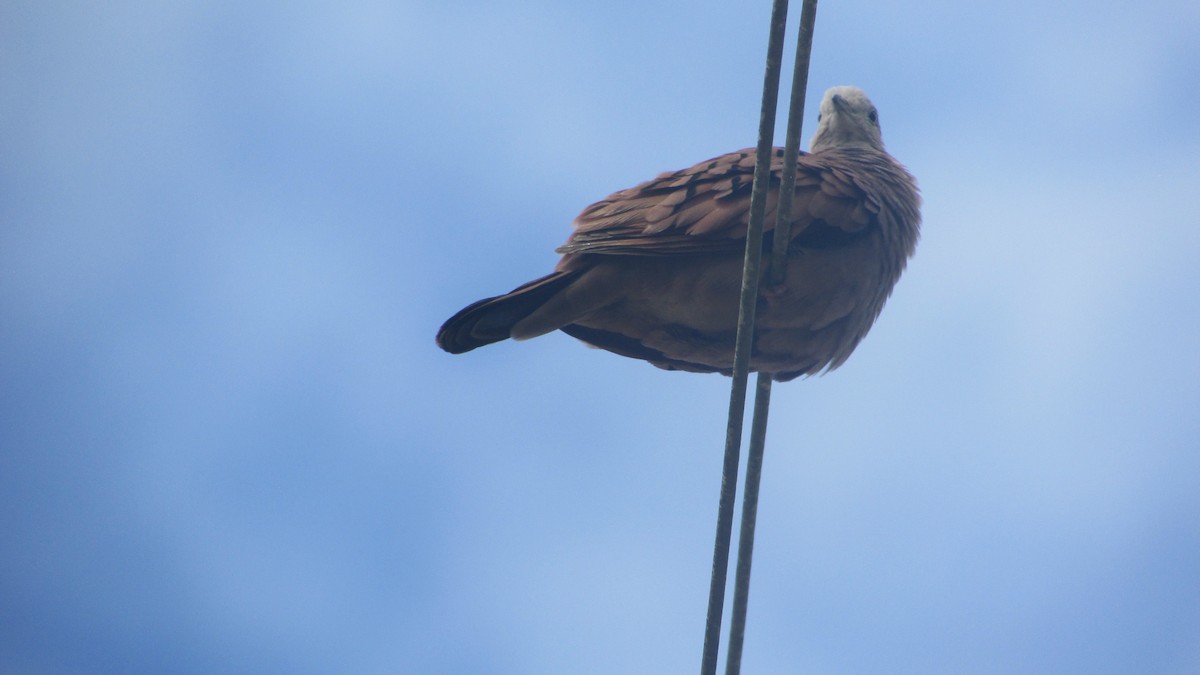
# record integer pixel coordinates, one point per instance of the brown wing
(706, 208)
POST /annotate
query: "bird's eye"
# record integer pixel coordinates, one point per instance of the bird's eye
(818, 117)
(873, 116)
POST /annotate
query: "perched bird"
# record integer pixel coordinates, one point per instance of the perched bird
(653, 272)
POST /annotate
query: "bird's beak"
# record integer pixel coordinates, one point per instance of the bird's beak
(839, 103)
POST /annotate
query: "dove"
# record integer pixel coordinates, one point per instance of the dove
(654, 272)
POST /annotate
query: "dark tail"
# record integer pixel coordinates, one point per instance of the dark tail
(492, 319)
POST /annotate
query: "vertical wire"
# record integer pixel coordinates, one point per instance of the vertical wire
(791, 149)
(777, 268)
(741, 579)
(745, 330)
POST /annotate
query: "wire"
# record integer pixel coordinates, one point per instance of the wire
(745, 337)
(777, 267)
(776, 273)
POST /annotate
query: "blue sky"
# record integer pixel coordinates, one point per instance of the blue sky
(229, 230)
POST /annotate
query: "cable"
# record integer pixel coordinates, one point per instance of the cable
(745, 337)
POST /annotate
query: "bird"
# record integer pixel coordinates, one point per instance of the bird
(653, 272)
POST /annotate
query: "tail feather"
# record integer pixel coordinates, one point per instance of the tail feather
(492, 319)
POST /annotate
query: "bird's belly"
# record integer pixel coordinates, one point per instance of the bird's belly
(683, 314)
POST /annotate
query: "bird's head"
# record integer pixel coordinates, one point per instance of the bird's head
(847, 118)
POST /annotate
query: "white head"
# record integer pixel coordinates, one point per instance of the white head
(847, 118)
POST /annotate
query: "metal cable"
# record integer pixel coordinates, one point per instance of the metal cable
(776, 272)
(745, 337)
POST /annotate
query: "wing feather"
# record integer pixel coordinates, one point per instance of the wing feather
(705, 208)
